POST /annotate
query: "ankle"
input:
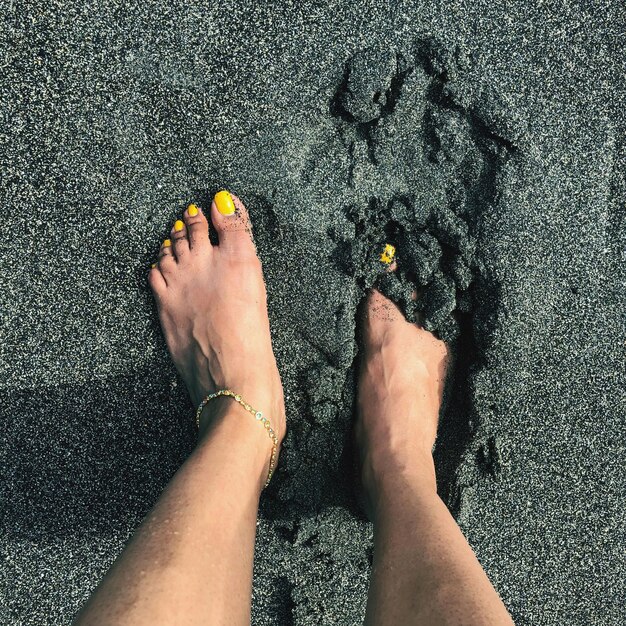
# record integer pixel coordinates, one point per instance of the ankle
(389, 481)
(226, 421)
(268, 399)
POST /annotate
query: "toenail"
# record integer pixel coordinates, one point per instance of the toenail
(192, 210)
(167, 243)
(224, 202)
(388, 254)
(153, 266)
(178, 225)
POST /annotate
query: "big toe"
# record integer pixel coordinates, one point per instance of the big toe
(232, 223)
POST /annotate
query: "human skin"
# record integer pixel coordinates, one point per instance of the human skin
(424, 571)
(190, 562)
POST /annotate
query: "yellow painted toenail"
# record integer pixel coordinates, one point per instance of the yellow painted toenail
(192, 210)
(153, 266)
(224, 202)
(179, 225)
(167, 243)
(388, 254)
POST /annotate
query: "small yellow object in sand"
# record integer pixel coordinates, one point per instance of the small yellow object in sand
(167, 243)
(192, 210)
(179, 225)
(224, 202)
(153, 266)
(388, 254)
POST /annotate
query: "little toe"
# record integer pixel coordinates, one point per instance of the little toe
(180, 242)
(157, 281)
(197, 228)
(232, 223)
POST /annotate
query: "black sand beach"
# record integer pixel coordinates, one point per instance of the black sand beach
(485, 140)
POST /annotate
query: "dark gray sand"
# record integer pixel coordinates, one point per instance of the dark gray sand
(485, 140)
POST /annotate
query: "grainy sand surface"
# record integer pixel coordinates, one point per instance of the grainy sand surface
(484, 139)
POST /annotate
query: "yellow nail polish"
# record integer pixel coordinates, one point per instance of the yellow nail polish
(179, 225)
(388, 254)
(224, 202)
(153, 266)
(192, 210)
(167, 243)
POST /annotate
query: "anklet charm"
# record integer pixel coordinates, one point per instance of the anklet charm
(257, 415)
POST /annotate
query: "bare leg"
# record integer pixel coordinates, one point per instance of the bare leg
(191, 560)
(424, 570)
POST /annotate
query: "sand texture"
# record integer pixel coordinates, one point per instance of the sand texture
(485, 139)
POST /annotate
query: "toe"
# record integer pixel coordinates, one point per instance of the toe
(180, 242)
(166, 249)
(157, 281)
(197, 228)
(231, 221)
(167, 261)
(379, 308)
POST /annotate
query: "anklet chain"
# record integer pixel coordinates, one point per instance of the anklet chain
(258, 416)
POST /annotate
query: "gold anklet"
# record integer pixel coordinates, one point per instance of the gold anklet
(257, 414)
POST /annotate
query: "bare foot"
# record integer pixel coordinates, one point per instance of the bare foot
(402, 374)
(213, 312)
